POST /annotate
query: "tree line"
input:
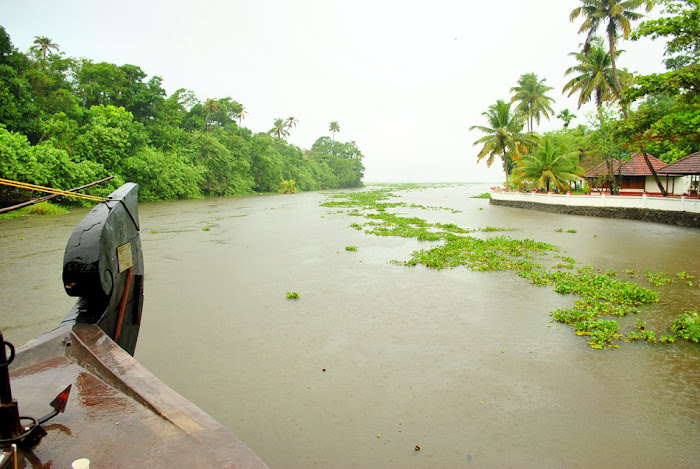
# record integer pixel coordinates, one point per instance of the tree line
(66, 122)
(657, 114)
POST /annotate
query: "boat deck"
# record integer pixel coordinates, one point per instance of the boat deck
(118, 413)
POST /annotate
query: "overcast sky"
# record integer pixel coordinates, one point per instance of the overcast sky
(404, 79)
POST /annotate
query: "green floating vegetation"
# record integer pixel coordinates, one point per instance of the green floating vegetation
(293, 295)
(662, 278)
(485, 195)
(351, 248)
(602, 295)
(206, 228)
(687, 326)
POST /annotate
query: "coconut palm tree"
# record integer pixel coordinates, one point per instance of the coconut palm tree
(211, 106)
(241, 115)
(546, 167)
(291, 122)
(595, 79)
(616, 17)
(334, 127)
(43, 46)
(279, 129)
(504, 137)
(567, 116)
(533, 102)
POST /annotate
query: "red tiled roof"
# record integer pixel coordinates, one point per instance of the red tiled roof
(602, 170)
(636, 166)
(688, 165)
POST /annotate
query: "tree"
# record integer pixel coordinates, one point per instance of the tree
(333, 128)
(533, 102)
(241, 115)
(503, 137)
(344, 159)
(567, 116)
(17, 105)
(291, 122)
(547, 166)
(680, 27)
(595, 79)
(616, 17)
(210, 107)
(279, 129)
(43, 46)
(669, 119)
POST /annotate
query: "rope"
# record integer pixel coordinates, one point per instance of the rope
(33, 187)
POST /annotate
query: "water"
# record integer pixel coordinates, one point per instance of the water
(464, 364)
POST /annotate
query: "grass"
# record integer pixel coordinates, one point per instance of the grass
(602, 297)
(42, 208)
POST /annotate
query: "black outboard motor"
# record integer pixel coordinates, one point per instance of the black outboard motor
(103, 265)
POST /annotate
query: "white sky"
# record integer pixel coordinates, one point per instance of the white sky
(404, 79)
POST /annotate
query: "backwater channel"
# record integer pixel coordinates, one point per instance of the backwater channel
(466, 365)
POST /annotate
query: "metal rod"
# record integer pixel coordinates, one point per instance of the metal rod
(47, 197)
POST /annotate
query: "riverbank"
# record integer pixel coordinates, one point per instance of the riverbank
(678, 211)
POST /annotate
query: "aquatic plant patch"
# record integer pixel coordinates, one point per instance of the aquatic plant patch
(687, 326)
(601, 294)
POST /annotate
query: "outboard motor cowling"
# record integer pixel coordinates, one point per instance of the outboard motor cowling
(103, 265)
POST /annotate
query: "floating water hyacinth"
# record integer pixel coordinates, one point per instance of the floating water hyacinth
(601, 294)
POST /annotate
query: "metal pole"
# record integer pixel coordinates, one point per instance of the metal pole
(10, 426)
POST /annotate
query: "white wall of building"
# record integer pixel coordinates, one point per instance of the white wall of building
(678, 185)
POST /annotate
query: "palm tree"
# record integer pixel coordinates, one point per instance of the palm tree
(210, 107)
(43, 46)
(334, 127)
(503, 135)
(595, 79)
(567, 116)
(546, 167)
(616, 17)
(291, 122)
(533, 101)
(279, 129)
(241, 115)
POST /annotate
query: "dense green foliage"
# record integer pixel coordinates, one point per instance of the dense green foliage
(65, 122)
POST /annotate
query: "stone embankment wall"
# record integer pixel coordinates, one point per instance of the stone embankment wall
(656, 216)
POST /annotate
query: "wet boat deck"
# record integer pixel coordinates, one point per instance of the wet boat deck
(118, 414)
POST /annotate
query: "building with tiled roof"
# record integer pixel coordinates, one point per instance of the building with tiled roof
(635, 175)
(678, 178)
(690, 165)
(685, 170)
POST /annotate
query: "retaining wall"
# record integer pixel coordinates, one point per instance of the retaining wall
(670, 214)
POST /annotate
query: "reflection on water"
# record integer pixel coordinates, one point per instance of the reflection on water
(464, 364)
